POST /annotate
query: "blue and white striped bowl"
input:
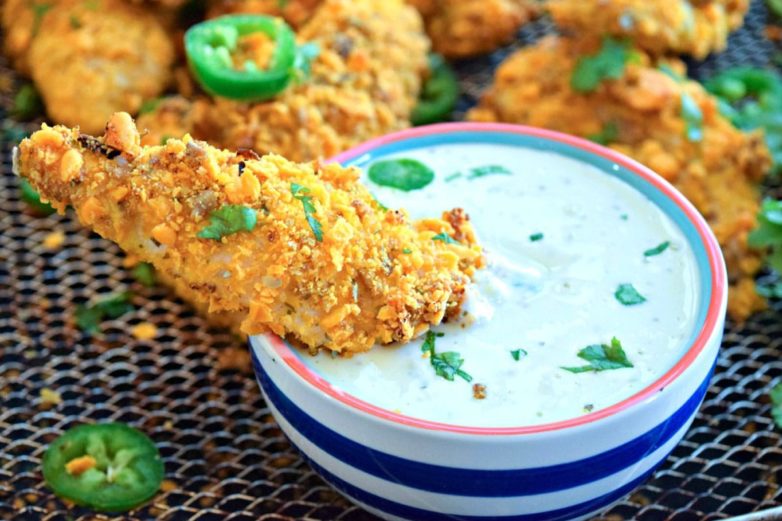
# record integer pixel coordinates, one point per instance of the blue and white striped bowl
(400, 467)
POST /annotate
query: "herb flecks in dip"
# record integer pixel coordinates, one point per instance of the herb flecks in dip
(610, 266)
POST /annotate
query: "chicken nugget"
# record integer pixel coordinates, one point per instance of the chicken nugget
(302, 250)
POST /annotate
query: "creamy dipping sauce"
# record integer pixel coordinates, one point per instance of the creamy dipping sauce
(560, 236)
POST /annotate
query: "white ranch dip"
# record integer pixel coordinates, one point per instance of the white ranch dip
(550, 297)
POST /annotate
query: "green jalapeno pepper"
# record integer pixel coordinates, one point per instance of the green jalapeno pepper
(438, 95)
(210, 45)
(110, 467)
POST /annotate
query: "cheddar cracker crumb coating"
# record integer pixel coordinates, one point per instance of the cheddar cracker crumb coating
(363, 84)
(352, 289)
(657, 26)
(719, 174)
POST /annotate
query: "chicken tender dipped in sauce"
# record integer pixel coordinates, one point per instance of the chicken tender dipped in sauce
(302, 250)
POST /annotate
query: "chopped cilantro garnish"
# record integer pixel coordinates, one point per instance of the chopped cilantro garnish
(535, 237)
(446, 364)
(164, 139)
(88, 318)
(407, 251)
(518, 354)
(298, 192)
(230, 219)
(39, 10)
(657, 250)
(668, 71)
(624, 217)
(444, 237)
(305, 55)
(402, 174)
(144, 273)
(380, 205)
(149, 105)
(75, 22)
(693, 117)
(776, 404)
(602, 357)
(768, 234)
(33, 200)
(452, 177)
(628, 295)
(608, 63)
(608, 134)
(775, 6)
(483, 171)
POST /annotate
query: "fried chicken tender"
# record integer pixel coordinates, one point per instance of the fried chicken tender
(89, 59)
(465, 28)
(457, 28)
(344, 287)
(719, 173)
(363, 84)
(657, 26)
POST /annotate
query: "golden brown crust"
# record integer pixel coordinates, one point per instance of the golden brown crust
(719, 174)
(657, 26)
(373, 278)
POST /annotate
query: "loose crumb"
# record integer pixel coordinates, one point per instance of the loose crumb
(78, 466)
(50, 397)
(167, 485)
(479, 391)
(144, 331)
(130, 261)
(237, 358)
(774, 33)
(54, 240)
(589, 407)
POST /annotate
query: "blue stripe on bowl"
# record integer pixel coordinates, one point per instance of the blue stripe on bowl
(404, 511)
(472, 482)
(609, 167)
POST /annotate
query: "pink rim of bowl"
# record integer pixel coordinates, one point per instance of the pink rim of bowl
(713, 316)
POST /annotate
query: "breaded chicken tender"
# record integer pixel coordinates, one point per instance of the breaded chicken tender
(457, 28)
(719, 173)
(318, 260)
(363, 84)
(690, 27)
(89, 59)
(464, 28)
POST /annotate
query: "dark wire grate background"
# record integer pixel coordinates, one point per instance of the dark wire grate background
(191, 389)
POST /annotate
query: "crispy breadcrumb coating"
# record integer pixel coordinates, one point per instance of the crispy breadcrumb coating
(719, 174)
(657, 26)
(373, 277)
(88, 63)
(465, 28)
(364, 83)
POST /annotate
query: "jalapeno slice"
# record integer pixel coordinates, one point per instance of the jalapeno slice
(110, 467)
(210, 48)
(438, 95)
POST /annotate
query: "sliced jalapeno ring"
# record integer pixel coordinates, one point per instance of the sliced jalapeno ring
(210, 47)
(109, 467)
(438, 95)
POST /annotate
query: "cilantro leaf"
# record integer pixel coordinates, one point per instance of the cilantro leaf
(407, 251)
(535, 237)
(776, 404)
(518, 354)
(657, 250)
(298, 192)
(39, 11)
(602, 357)
(483, 171)
(447, 365)
(608, 134)
(144, 273)
(768, 234)
(402, 174)
(88, 318)
(444, 237)
(227, 220)
(693, 117)
(628, 295)
(305, 55)
(28, 194)
(27, 103)
(608, 63)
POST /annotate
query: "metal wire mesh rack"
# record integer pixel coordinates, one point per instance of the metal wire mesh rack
(189, 388)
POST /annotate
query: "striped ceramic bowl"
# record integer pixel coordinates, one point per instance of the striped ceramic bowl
(400, 467)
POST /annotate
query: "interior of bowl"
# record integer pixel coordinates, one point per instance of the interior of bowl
(711, 268)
